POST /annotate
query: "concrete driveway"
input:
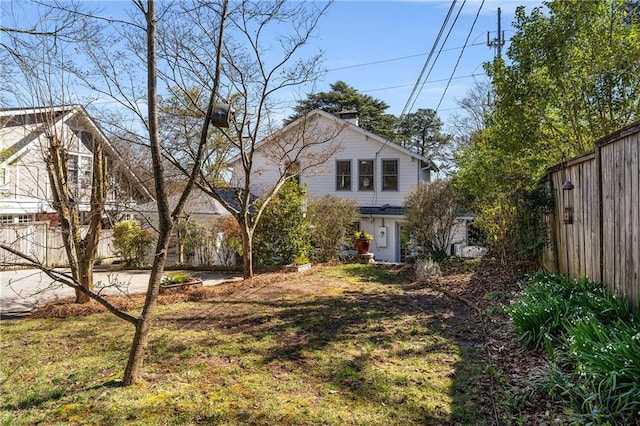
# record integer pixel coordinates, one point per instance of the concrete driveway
(22, 291)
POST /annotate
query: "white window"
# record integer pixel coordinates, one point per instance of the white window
(25, 218)
(79, 173)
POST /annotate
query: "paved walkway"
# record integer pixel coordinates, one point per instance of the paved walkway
(22, 291)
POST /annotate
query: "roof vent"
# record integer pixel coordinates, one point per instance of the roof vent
(349, 115)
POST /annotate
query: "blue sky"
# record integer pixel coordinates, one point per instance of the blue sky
(380, 48)
(355, 33)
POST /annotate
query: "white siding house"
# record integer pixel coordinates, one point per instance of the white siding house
(25, 191)
(365, 167)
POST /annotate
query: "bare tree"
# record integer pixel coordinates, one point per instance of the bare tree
(431, 214)
(120, 82)
(256, 67)
(477, 106)
(128, 73)
(36, 55)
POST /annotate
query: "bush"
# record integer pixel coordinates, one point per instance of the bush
(595, 335)
(331, 219)
(191, 237)
(282, 235)
(175, 278)
(228, 239)
(132, 243)
(431, 211)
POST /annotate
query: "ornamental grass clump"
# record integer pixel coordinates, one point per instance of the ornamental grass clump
(591, 333)
(607, 360)
(552, 302)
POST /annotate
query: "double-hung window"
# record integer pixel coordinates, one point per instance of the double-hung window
(79, 173)
(389, 175)
(343, 175)
(365, 175)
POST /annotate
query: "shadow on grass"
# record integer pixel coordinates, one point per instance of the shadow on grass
(363, 341)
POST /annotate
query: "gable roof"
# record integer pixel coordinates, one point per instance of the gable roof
(197, 203)
(14, 122)
(384, 143)
(202, 203)
(15, 141)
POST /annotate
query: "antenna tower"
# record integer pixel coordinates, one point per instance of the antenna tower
(498, 41)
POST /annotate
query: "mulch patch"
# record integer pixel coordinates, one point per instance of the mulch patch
(490, 287)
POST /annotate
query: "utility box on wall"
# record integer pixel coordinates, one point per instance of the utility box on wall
(381, 236)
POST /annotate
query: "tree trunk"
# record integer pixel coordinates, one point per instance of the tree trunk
(247, 255)
(166, 222)
(85, 278)
(132, 373)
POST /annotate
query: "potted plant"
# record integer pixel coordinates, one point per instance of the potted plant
(363, 242)
(301, 264)
(176, 281)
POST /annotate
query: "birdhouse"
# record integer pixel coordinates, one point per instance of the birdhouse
(222, 115)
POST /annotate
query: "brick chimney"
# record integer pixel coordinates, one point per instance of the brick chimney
(350, 115)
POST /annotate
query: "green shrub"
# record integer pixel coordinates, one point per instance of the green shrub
(175, 278)
(552, 302)
(282, 235)
(593, 334)
(132, 242)
(331, 218)
(539, 320)
(607, 360)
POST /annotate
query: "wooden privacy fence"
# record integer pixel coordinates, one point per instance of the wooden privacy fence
(595, 226)
(44, 243)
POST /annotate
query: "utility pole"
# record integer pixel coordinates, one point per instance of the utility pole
(497, 42)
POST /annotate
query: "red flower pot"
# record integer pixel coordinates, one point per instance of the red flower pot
(363, 245)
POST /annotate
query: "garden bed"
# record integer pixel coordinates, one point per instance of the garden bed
(173, 288)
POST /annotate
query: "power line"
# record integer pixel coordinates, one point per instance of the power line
(439, 52)
(424, 67)
(429, 81)
(460, 56)
(382, 61)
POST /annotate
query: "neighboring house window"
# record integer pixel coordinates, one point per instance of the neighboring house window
(365, 175)
(80, 173)
(389, 175)
(6, 219)
(343, 175)
(25, 218)
(4, 185)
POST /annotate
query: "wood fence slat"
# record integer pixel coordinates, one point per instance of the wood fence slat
(604, 240)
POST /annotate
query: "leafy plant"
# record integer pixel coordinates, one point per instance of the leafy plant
(331, 219)
(362, 235)
(176, 278)
(283, 232)
(595, 334)
(132, 242)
